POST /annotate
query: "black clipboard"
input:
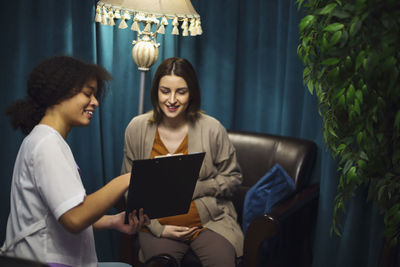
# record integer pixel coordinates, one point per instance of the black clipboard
(163, 186)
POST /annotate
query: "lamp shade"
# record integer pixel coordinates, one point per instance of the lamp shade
(149, 13)
(169, 8)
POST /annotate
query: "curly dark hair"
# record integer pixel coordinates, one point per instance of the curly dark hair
(179, 67)
(52, 81)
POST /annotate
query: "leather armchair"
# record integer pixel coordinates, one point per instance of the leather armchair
(282, 237)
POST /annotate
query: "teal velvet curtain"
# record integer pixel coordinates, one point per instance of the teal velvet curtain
(251, 80)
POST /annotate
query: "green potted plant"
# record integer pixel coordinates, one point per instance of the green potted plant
(350, 50)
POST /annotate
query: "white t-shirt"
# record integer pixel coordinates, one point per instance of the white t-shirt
(46, 183)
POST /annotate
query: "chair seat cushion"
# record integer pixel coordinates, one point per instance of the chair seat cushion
(274, 186)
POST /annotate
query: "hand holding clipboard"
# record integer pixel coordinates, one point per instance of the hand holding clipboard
(164, 186)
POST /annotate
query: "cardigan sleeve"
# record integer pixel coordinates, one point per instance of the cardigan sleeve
(133, 142)
(155, 227)
(227, 175)
(128, 151)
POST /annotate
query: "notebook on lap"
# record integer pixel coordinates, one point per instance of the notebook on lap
(163, 186)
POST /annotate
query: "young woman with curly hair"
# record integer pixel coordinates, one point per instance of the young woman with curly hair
(51, 217)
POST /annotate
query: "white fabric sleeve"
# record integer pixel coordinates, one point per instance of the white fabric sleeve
(56, 176)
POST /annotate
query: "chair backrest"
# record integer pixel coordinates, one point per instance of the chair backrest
(257, 153)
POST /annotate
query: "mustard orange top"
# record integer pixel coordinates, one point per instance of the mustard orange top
(192, 218)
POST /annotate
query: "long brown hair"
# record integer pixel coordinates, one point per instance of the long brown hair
(182, 68)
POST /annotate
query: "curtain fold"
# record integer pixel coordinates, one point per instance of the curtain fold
(251, 80)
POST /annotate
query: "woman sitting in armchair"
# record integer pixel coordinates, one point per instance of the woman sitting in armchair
(177, 125)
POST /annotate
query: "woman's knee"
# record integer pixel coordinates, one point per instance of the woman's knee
(214, 250)
(154, 246)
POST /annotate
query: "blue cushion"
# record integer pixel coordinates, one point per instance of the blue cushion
(275, 185)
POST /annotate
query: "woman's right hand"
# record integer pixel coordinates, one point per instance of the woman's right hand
(181, 233)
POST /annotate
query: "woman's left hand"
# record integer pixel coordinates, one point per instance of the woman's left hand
(135, 222)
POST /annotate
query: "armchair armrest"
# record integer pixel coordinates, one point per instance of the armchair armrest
(267, 226)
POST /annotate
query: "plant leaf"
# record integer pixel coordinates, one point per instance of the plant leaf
(330, 61)
(357, 107)
(352, 175)
(299, 3)
(310, 86)
(335, 38)
(306, 72)
(306, 21)
(339, 2)
(363, 155)
(359, 96)
(350, 94)
(355, 26)
(341, 14)
(359, 138)
(327, 9)
(338, 93)
(333, 27)
(347, 165)
(341, 147)
(360, 58)
(332, 132)
(361, 163)
(380, 136)
(342, 101)
(324, 43)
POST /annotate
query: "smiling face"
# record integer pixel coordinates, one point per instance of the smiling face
(78, 110)
(173, 97)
